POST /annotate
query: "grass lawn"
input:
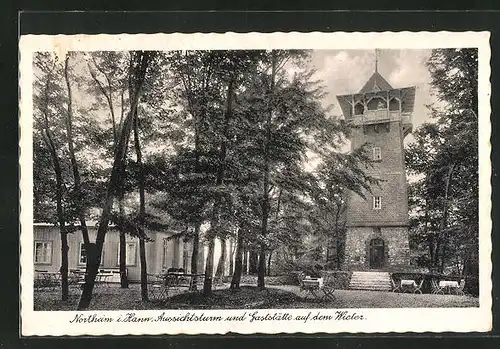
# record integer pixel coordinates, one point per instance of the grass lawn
(249, 297)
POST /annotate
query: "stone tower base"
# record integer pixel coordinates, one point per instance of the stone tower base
(377, 248)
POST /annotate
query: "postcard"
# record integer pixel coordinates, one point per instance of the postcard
(255, 183)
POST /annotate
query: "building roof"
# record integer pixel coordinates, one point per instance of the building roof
(376, 83)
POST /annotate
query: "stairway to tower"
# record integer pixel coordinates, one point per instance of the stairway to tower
(370, 281)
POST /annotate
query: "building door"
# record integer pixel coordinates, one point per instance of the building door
(376, 253)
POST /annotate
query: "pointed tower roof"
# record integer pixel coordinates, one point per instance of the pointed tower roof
(376, 83)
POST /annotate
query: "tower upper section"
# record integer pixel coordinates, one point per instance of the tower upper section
(378, 102)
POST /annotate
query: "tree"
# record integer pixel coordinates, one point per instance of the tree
(445, 156)
(79, 194)
(47, 99)
(142, 210)
(111, 67)
(139, 65)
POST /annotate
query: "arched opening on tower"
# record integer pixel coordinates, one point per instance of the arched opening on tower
(377, 103)
(393, 104)
(359, 109)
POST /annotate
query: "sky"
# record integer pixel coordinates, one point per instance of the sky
(346, 71)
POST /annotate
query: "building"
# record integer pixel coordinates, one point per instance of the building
(377, 228)
(163, 252)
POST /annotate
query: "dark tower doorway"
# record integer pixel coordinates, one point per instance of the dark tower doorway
(376, 253)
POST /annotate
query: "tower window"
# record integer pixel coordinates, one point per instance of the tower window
(377, 203)
(377, 154)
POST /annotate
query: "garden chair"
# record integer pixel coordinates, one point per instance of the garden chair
(196, 279)
(103, 278)
(461, 286)
(436, 289)
(74, 278)
(418, 287)
(328, 287)
(157, 289)
(396, 286)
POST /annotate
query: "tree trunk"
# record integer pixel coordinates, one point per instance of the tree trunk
(194, 256)
(64, 262)
(122, 247)
(443, 258)
(115, 181)
(144, 270)
(261, 272)
(338, 238)
(471, 269)
(441, 248)
(214, 223)
(74, 164)
(245, 260)
(62, 227)
(253, 262)
(142, 210)
(269, 263)
(221, 265)
(209, 268)
(108, 94)
(231, 256)
(60, 214)
(49, 142)
(238, 263)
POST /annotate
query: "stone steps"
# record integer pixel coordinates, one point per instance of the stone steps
(370, 281)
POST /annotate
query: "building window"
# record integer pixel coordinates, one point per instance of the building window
(377, 154)
(82, 255)
(43, 252)
(165, 250)
(131, 253)
(377, 203)
(185, 256)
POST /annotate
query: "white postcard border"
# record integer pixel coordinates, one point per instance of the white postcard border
(57, 323)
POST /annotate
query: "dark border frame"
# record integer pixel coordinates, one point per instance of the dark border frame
(221, 21)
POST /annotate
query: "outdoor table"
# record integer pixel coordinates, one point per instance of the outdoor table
(193, 280)
(408, 285)
(103, 278)
(40, 279)
(448, 286)
(311, 285)
(53, 279)
(173, 279)
(177, 279)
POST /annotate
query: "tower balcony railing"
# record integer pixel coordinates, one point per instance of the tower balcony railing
(383, 115)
